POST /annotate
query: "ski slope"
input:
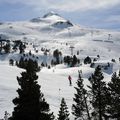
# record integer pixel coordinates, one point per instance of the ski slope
(54, 32)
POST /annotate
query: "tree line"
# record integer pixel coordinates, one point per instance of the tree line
(101, 101)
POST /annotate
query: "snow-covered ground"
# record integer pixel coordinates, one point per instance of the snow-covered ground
(55, 85)
(42, 32)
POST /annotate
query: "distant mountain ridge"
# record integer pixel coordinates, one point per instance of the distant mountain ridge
(51, 25)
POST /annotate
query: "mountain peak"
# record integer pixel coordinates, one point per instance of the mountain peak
(53, 19)
(51, 13)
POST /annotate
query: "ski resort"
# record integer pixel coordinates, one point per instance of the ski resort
(53, 69)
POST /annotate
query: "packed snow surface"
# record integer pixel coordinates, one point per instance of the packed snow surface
(49, 33)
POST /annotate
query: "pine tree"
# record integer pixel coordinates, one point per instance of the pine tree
(24, 63)
(56, 54)
(63, 112)
(11, 62)
(87, 60)
(7, 48)
(114, 101)
(98, 92)
(22, 47)
(80, 108)
(67, 60)
(74, 61)
(119, 74)
(30, 104)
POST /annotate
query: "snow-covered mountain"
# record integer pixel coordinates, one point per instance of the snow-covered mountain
(51, 25)
(55, 32)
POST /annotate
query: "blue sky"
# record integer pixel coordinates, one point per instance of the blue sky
(92, 13)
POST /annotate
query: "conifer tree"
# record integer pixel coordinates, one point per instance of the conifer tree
(63, 112)
(7, 48)
(80, 108)
(74, 61)
(114, 101)
(30, 103)
(56, 55)
(22, 47)
(98, 92)
(67, 60)
(87, 60)
(119, 74)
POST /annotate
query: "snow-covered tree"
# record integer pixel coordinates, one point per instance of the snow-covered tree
(7, 48)
(22, 47)
(63, 112)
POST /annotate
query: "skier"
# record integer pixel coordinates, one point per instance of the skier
(69, 78)
(6, 115)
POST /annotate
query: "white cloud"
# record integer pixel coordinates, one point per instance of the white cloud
(67, 5)
(83, 5)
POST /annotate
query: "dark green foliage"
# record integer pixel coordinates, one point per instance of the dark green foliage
(119, 74)
(80, 108)
(67, 60)
(26, 64)
(22, 47)
(71, 61)
(7, 48)
(74, 61)
(87, 60)
(56, 55)
(30, 104)
(30, 53)
(98, 56)
(78, 52)
(63, 112)
(16, 44)
(42, 64)
(95, 59)
(92, 65)
(21, 63)
(49, 67)
(52, 62)
(11, 62)
(78, 61)
(32, 65)
(98, 91)
(114, 99)
(113, 60)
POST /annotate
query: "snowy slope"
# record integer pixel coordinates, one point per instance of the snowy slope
(54, 32)
(49, 26)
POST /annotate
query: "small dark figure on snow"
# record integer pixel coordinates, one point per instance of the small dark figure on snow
(6, 115)
(69, 78)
